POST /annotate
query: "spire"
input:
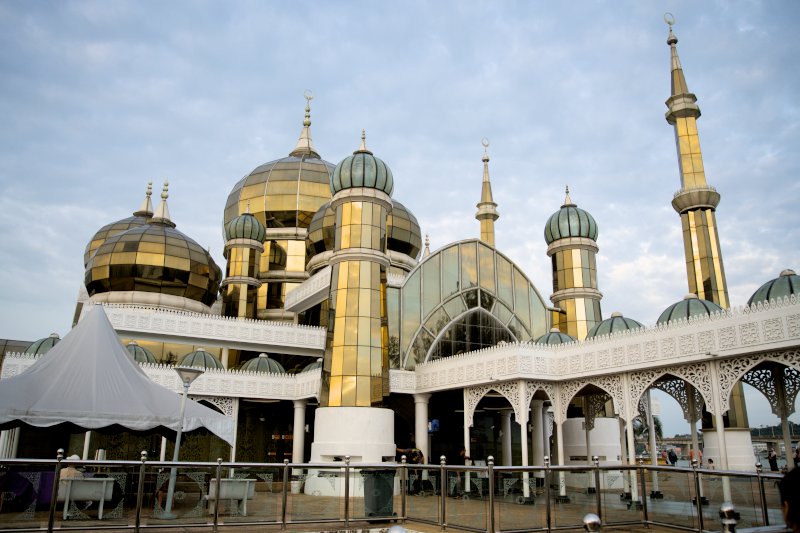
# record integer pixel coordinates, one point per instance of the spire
(567, 200)
(304, 146)
(427, 250)
(678, 80)
(161, 215)
(146, 209)
(362, 149)
(681, 102)
(487, 208)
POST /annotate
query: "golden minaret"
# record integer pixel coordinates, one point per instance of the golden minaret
(487, 208)
(696, 202)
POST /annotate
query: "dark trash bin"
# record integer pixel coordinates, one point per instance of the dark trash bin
(378, 492)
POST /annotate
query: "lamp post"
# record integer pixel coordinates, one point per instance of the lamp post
(187, 375)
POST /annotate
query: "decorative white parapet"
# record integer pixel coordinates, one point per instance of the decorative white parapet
(312, 291)
(215, 383)
(165, 325)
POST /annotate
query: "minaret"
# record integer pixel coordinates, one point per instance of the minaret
(696, 202)
(352, 419)
(571, 236)
(487, 208)
(244, 244)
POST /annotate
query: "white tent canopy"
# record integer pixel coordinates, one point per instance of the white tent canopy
(89, 379)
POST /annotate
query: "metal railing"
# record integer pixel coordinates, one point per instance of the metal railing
(37, 495)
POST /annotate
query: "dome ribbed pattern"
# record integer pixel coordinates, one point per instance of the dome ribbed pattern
(140, 354)
(313, 366)
(786, 284)
(554, 336)
(200, 359)
(263, 363)
(321, 231)
(362, 169)
(246, 226)
(615, 324)
(42, 346)
(570, 221)
(690, 306)
(402, 231)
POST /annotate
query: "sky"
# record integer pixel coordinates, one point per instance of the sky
(98, 98)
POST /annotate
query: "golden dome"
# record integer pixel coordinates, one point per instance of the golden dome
(139, 218)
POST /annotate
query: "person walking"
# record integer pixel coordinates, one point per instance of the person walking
(773, 460)
(797, 456)
(673, 457)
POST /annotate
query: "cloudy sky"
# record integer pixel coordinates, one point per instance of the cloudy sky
(98, 98)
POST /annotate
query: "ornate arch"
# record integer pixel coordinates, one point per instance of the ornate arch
(473, 395)
(611, 385)
(732, 370)
(696, 374)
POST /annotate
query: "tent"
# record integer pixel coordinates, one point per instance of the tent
(89, 379)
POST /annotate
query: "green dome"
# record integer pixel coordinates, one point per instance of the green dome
(615, 324)
(554, 336)
(263, 363)
(690, 306)
(42, 346)
(313, 366)
(246, 226)
(786, 284)
(362, 169)
(140, 354)
(200, 359)
(570, 221)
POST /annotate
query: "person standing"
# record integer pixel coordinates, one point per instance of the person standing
(797, 456)
(773, 460)
(673, 457)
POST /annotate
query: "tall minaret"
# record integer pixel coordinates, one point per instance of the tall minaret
(696, 201)
(352, 420)
(487, 209)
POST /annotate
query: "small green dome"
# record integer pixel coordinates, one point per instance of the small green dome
(786, 284)
(42, 346)
(313, 366)
(200, 359)
(615, 324)
(245, 226)
(690, 306)
(362, 169)
(263, 363)
(570, 221)
(554, 336)
(140, 354)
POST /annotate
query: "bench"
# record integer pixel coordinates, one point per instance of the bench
(96, 489)
(240, 490)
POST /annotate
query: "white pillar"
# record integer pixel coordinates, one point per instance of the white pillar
(784, 409)
(225, 358)
(235, 428)
(523, 431)
(14, 443)
(162, 456)
(87, 440)
(299, 431)
(652, 432)
(586, 428)
(623, 447)
(720, 427)
(421, 424)
(632, 461)
(467, 423)
(562, 480)
(505, 438)
(537, 431)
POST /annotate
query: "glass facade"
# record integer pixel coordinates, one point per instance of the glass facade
(690, 159)
(464, 297)
(704, 266)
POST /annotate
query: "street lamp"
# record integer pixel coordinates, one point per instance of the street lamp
(187, 375)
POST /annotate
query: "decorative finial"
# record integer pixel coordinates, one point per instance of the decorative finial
(162, 212)
(247, 208)
(363, 140)
(427, 250)
(567, 199)
(149, 192)
(669, 18)
(165, 190)
(485, 143)
(309, 95)
(146, 209)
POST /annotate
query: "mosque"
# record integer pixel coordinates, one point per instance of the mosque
(335, 331)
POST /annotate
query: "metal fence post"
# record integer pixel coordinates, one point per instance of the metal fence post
(490, 466)
(284, 492)
(596, 461)
(443, 490)
(698, 501)
(729, 516)
(140, 493)
(347, 491)
(762, 495)
(548, 475)
(643, 492)
(592, 523)
(404, 487)
(217, 492)
(54, 493)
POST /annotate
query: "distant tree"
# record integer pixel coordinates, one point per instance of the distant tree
(641, 431)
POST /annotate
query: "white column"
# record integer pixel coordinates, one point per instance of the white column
(505, 438)
(523, 433)
(225, 358)
(652, 432)
(162, 456)
(632, 461)
(695, 449)
(467, 424)
(784, 409)
(536, 435)
(14, 443)
(87, 440)
(562, 480)
(587, 421)
(421, 424)
(720, 427)
(545, 436)
(623, 447)
(299, 431)
(235, 428)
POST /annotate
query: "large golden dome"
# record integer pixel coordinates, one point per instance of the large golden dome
(153, 258)
(284, 193)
